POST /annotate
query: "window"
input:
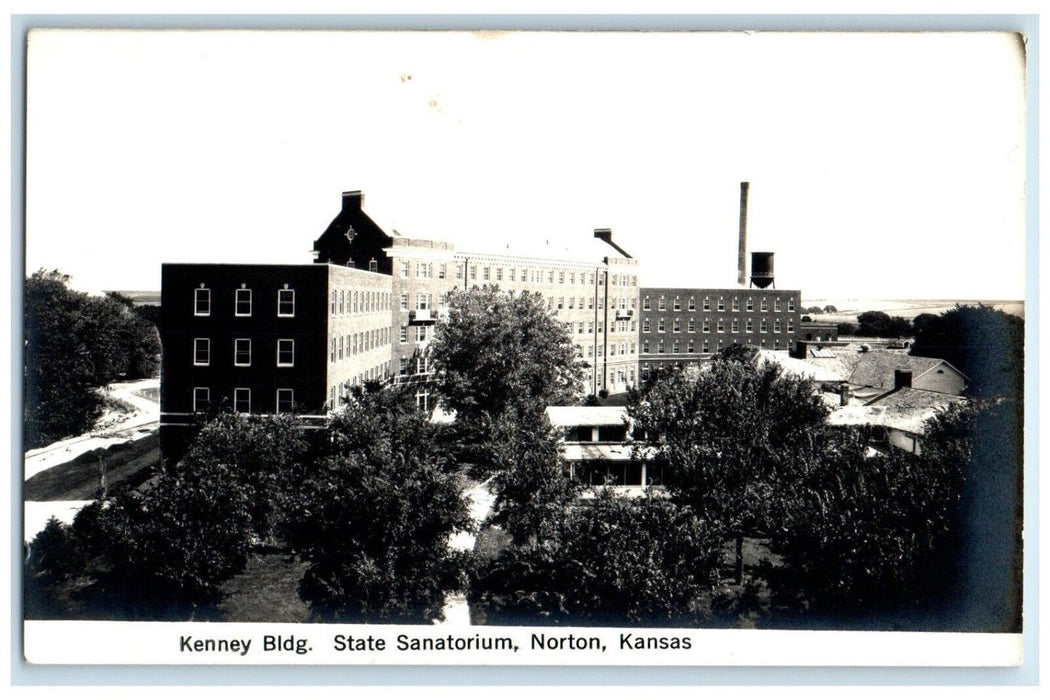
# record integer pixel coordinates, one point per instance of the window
(285, 400)
(403, 366)
(661, 326)
(590, 304)
(404, 301)
(202, 302)
(474, 272)
(660, 346)
(776, 344)
(707, 325)
(662, 304)
(721, 326)
(764, 304)
(373, 265)
(791, 304)
(692, 303)
(403, 337)
(201, 398)
(243, 302)
(721, 304)
(485, 272)
(404, 268)
(422, 301)
(579, 329)
(776, 325)
(705, 346)
(421, 333)
(342, 302)
(674, 347)
(572, 302)
(763, 326)
(333, 301)
(677, 304)
(242, 400)
(285, 302)
(691, 346)
(286, 352)
(677, 327)
(561, 302)
(736, 304)
(750, 304)
(749, 326)
(776, 304)
(201, 352)
(707, 303)
(735, 326)
(424, 270)
(421, 365)
(790, 326)
(242, 352)
(561, 277)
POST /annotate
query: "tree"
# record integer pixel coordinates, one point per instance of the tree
(985, 344)
(501, 350)
(983, 442)
(866, 539)
(266, 457)
(615, 561)
(75, 343)
(60, 396)
(846, 328)
(879, 324)
(375, 518)
(830, 309)
(726, 436)
(532, 483)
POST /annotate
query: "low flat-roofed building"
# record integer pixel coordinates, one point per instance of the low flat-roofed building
(598, 448)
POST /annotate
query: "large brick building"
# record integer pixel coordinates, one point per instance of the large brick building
(681, 326)
(267, 339)
(276, 338)
(594, 293)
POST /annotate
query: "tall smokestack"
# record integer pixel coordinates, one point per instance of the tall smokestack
(741, 259)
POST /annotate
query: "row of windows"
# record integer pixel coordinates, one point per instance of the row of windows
(526, 275)
(614, 349)
(242, 400)
(242, 352)
(337, 393)
(690, 346)
(420, 366)
(720, 304)
(720, 325)
(349, 301)
(242, 302)
(354, 343)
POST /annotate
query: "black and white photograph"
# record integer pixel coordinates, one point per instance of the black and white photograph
(508, 347)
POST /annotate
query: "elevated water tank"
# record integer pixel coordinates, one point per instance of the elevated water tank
(761, 269)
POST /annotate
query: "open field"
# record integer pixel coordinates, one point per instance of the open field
(905, 308)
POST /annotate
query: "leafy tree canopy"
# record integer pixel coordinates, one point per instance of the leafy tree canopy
(375, 517)
(615, 561)
(986, 344)
(500, 350)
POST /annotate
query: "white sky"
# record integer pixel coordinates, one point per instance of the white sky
(881, 165)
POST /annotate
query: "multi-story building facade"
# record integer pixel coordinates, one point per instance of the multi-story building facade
(267, 339)
(596, 298)
(681, 326)
(281, 338)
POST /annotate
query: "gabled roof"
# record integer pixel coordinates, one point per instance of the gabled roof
(905, 409)
(876, 368)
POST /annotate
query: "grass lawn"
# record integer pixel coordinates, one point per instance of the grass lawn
(130, 463)
(266, 591)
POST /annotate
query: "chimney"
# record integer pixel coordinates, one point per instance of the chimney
(741, 261)
(844, 395)
(605, 234)
(902, 379)
(352, 201)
